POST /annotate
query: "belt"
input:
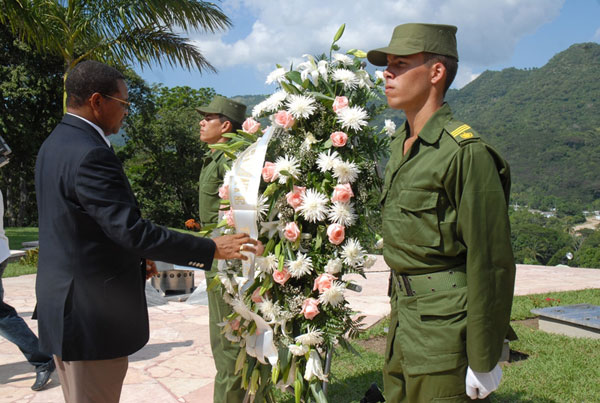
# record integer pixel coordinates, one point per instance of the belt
(420, 284)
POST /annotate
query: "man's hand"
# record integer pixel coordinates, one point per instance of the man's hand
(232, 246)
(151, 270)
(481, 384)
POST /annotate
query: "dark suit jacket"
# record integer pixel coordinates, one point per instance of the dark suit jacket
(90, 284)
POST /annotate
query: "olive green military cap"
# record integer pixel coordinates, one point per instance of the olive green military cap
(232, 110)
(412, 38)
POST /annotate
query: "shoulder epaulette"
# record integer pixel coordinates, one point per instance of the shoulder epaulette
(461, 132)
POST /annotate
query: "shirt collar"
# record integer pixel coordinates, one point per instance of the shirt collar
(432, 131)
(98, 129)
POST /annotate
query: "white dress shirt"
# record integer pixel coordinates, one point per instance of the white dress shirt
(94, 126)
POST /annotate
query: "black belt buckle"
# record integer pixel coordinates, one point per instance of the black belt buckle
(407, 288)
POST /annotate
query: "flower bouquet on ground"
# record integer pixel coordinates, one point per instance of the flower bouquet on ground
(315, 170)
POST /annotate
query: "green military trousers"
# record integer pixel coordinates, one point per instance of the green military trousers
(425, 359)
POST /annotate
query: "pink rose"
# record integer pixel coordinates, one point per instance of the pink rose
(268, 172)
(324, 282)
(281, 277)
(250, 126)
(229, 218)
(256, 297)
(291, 231)
(338, 139)
(224, 192)
(294, 198)
(342, 193)
(339, 104)
(309, 308)
(284, 119)
(336, 234)
(235, 324)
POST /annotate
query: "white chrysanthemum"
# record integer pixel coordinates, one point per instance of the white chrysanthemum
(334, 295)
(353, 253)
(277, 75)
(262, 207)
(298, 350)
(327, 161)
(267, 264)
(369, 261)
(390, 127)
(312, 337)
(347, 78)
(342, 213)
(269, 310)
(309, 141)
(301, 106)
(241, 308)
(301, 266)
(340, 58)
(345, 172)
(259, 108)
(333, 266)
(275, 101)
(379, 75)
(289, 164)
(314, 205)
(352, 117)
(364, 79)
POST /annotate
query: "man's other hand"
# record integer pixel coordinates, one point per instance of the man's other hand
(151, 270)
(232, 246)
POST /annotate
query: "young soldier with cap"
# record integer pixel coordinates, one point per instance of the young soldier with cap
(220, 116)
(446, 231)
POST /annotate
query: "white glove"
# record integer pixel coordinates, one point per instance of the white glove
(481, 384)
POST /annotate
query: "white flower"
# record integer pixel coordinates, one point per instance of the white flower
(308, 68)
(298, 350)
(301, 106)
(342, 213)
(232, 338)
(226, 281)
(322, 67)
(289, 164)
(353, 253)
(277, 75)
(379, 244)
(364, 79)
(309, 141)
(379, 75)
(369, 261)
(352, 117)
(390, 127)
(333, 266)
(345, 172)
(346, 77)
(314, 367)
(334, 295)
(267, 264)
(275, 101)
(262, 207)
(314, 205)
(269, 309)
(259, 108)
(312, 337)
(327, 161)
(342, 59)
(301, 266)
(241, 308)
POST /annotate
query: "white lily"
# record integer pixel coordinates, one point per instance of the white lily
(314, 367)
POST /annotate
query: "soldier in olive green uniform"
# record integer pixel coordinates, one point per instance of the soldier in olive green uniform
(446, 232)
(221, 116)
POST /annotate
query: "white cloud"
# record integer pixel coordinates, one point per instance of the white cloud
(464, 76)
(487, 30)
(596, 37)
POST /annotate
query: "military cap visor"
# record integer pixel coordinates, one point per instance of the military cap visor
(232, 110)
(409, 39)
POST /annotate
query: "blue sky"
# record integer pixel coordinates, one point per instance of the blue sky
(492, 35)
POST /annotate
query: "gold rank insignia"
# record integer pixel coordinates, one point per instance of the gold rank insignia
(461, 129)
(467, 135)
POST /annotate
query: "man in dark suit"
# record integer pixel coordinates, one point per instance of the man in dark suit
(93, 243)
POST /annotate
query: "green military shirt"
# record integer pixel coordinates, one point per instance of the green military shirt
(211, 179)
(445, 207)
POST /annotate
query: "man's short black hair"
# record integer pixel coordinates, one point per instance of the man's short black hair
(89, 77)
(235, 126)
(449, 62)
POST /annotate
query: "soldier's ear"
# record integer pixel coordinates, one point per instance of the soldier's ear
(226, 127)
(438, 73)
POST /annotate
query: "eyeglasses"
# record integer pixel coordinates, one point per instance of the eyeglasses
(126, 103)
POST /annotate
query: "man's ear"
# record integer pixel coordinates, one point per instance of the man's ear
(226, 127)
(438, 73)
(95, 101)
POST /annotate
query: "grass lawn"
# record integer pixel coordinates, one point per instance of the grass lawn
(557, 368)
(18, 235)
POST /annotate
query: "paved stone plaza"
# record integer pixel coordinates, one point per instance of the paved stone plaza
(176, 364)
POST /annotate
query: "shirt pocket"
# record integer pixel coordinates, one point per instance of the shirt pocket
(410, 217)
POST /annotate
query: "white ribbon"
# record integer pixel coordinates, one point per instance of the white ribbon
(243, 197)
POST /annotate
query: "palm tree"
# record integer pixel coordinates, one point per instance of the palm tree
(117, 32)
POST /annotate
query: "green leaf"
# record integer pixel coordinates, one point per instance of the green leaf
(275, 374)
(270, 190)
(241, 359)
(339, 33)
(278, 249)
(216, 282)
(328, 144)
(290, 89)
(294, 76)
(357, 53)
(298, 390)
(317, 392)
(319, 95)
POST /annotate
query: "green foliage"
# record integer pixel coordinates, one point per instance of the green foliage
(588, 254)
(30, 96)
(163, 153)
(30, 258)
(523, 304)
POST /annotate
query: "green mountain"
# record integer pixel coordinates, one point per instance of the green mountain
(545, 122)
